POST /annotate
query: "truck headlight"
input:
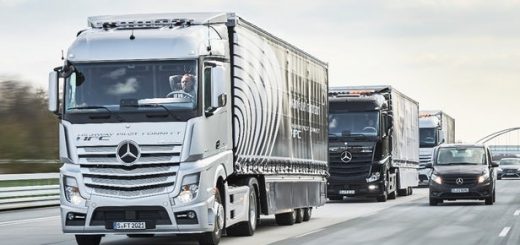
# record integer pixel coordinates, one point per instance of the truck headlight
(72, 193)
(189, 188)
(483, 178)
(436, 179)
(373, 177)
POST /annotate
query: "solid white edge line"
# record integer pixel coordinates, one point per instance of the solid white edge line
(24, 221)
(308, 233)
(504, 231)
(517, 212)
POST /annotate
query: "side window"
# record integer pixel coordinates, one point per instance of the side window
(207, 88)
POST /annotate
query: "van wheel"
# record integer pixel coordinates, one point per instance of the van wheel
(299, 215)
(88, 239)
(213, 238)
(307, 214)
(433, 202)
(286, 218)
(247, 228)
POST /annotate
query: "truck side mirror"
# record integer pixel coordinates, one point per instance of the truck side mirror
(218, 89)
(495, 164)
(53, 92)
(428, 165)
(442, 137)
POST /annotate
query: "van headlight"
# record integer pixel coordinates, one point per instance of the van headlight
(483, 178)
(436, 179)
(189, 188)
(373, 177)
(71, 190)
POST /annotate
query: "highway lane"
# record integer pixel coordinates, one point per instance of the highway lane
(415, 222)
(42, 226)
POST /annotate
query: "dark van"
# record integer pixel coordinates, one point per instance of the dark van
(462, 172)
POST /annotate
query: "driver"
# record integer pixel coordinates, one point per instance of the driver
(185, 88)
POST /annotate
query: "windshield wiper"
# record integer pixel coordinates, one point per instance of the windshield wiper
(110, 112)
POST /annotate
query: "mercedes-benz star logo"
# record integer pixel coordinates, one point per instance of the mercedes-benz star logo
(346, 157)
(459, 181)
(128, 152)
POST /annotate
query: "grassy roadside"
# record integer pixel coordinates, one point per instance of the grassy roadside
(20, 183)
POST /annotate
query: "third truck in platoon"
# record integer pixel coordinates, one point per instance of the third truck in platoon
(373, 142)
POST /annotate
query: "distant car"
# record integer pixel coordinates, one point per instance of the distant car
(462, 172)
(510, 167)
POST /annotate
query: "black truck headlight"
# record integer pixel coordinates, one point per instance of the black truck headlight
(189, 188)
(373, 177)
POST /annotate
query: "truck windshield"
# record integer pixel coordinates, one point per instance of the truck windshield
(461, 156)
(427, 137)
(353, 123)
(115, 86)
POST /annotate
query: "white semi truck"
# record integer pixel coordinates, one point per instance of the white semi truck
(435, 128)
(191, 123)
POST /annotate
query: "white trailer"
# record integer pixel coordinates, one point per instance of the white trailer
(187, 123)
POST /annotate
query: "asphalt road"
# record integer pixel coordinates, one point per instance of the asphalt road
(407, 220)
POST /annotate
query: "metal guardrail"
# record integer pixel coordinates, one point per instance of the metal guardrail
(29, 196)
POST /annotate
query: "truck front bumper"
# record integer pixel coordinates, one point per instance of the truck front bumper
(355, 189)
(100, 213)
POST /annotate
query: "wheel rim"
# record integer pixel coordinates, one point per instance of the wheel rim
(252, 210)
(220, 219)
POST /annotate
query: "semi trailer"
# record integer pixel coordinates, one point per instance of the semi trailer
(187, 123)
(373, 143)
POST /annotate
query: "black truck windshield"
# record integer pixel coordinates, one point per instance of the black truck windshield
(461, 156)
(132, 86)
(427, 137)
(353, 123)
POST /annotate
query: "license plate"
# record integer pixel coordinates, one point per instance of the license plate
(347, 192)
(459, 190)
(129, 225)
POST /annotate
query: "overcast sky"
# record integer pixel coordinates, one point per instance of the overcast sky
(460, 56)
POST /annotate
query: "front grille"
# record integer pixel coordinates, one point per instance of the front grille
(358, 166)
(154, 172)
(468, 180)
(425, 158)
(107, 215)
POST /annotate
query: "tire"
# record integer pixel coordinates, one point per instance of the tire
(489, 200)
(392, 195)
(307, 214)
(433, 202)
(88, 239)
(139, 235)
(247, 228)
(299, 215)
(410, 191)
(286, 218)
(213, 238)
(494, 197)
(383, 197)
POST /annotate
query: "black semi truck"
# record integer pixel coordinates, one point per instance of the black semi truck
(373, 143)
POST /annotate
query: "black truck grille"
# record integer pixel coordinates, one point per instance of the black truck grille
(155, 215)
(359, 165)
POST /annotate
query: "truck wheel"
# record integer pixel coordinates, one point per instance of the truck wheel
(213, 238)
(494, 196)
(299, 215)
(247, 228)
(88, 239)
(402, 192)
(410, 190)
(383, 197)
(307, 214)
(286, 218)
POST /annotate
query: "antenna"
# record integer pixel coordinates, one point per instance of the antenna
(62, 57)
(132, 37)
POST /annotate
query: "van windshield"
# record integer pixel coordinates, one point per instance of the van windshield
(461, 156)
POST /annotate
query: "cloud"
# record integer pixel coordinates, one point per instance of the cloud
(129, 87)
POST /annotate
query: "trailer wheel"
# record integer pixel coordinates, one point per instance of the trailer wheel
(307, 213)
(88, 239)
(213, 238)
(299, 215)
(410, 190)
(247, 228)
(286, 218)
